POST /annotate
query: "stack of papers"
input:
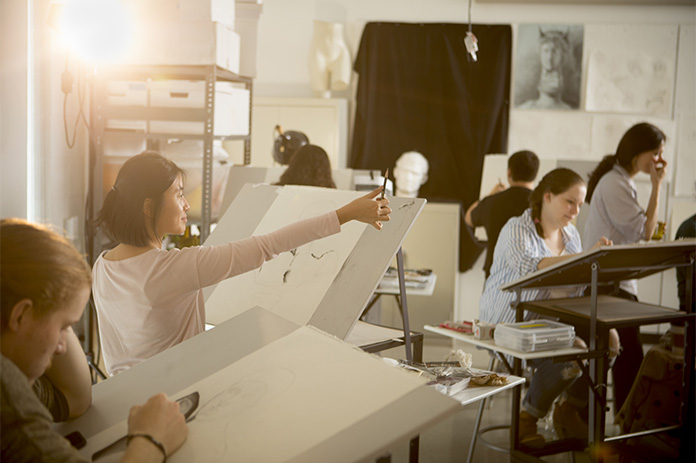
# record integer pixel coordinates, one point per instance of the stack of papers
(414, 278)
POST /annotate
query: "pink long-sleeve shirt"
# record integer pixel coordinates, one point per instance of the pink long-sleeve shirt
(151, 302)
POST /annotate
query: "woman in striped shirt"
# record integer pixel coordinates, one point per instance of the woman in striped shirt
(542, 236)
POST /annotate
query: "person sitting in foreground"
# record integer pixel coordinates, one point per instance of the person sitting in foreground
(45, 284)
(542, 236)
(309, 166)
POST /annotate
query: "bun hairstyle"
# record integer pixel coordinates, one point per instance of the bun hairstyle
(38, 264)
(122, 217)
(638, 139)
(555, 182)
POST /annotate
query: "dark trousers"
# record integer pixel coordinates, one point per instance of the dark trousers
(628, 363)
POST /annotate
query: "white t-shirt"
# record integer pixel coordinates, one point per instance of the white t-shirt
(151, 302)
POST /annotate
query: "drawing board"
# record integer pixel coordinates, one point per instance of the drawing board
(326, 283)
(300, 395)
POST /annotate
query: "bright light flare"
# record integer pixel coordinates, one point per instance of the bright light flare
(98, 31)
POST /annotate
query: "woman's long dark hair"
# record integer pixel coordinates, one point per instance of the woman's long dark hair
(555, 182)
(308, 166)
(147, 175)
(638, 139)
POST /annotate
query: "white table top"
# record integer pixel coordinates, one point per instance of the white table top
(491, 345)
(475, 393)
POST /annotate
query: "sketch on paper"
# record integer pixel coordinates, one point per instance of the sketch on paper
(548, 66)
(293, 284)
(636, 83)
(685, 178)
(250, 410)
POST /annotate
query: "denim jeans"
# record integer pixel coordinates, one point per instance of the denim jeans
(549, 381)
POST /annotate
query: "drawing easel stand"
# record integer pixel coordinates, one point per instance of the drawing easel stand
(404, 306)
(608, 265)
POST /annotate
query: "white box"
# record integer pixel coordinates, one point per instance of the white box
(246, 25)
(186, 43)
(231, 106)
(222, 11)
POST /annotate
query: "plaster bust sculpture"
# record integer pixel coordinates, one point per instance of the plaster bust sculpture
(411, 172)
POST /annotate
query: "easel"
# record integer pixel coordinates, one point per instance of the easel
(608, 265)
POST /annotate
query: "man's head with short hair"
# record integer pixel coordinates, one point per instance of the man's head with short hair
(523, 166)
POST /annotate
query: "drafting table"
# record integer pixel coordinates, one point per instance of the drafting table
(408, 406)
(608, 265)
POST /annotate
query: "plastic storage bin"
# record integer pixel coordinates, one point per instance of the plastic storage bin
(534, 335)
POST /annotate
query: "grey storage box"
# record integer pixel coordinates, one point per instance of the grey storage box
(534, 335)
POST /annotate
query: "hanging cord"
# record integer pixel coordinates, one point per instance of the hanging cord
(66, 83)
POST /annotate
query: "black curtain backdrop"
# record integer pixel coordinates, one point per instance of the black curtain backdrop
(418, 91)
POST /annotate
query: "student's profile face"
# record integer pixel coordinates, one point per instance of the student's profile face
(44, 336)
(172, 217)
(564, 207)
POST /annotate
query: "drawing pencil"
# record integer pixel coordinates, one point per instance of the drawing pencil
(384, 187)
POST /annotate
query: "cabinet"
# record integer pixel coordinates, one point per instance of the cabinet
(143, 113)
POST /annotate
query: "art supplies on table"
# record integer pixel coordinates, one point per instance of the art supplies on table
(464, 326)
(413, 278)
(483, 330)
(534, 335)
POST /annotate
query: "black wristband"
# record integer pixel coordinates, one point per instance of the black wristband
(157, 443)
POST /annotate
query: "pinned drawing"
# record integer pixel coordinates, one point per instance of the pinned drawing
(292, 284)
(638, 83)
(548, 67)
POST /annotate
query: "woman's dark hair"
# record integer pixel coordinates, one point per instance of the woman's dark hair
(308, 166)
(638, 139)
(147, 175)
(38, 264)
(555, 182)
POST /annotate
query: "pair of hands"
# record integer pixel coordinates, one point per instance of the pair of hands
(603, 241)
(367, 209)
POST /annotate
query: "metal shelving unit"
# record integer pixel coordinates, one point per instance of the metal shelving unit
(101, 111)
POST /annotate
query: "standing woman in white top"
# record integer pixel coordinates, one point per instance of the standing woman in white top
(616, 214)
(148, 299)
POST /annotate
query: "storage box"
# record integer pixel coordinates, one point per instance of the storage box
(231, 106)
(246, 25)
(534, 335)
(222, 11)
(186, 43)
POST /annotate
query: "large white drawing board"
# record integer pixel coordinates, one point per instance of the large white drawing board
(326, 283)
(276, 393)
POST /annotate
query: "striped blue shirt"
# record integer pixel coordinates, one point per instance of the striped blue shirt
(518, 253)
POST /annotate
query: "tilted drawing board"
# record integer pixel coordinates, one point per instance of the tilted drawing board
(298, 395)
(615, 263)
(326, 283)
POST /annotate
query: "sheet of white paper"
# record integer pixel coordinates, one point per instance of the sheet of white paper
(552, 135)
(293, 284)
(283, 400)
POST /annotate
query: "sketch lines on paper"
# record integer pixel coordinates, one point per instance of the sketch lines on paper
(637, 83)
(293, 284)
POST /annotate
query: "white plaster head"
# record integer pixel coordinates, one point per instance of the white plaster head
(411, 172)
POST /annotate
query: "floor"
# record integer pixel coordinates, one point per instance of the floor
(449, 440)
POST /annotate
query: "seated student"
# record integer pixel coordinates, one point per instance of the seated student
(308, 166)
(148, 299)
(542, 236)
(45, 285)
(493, 211)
